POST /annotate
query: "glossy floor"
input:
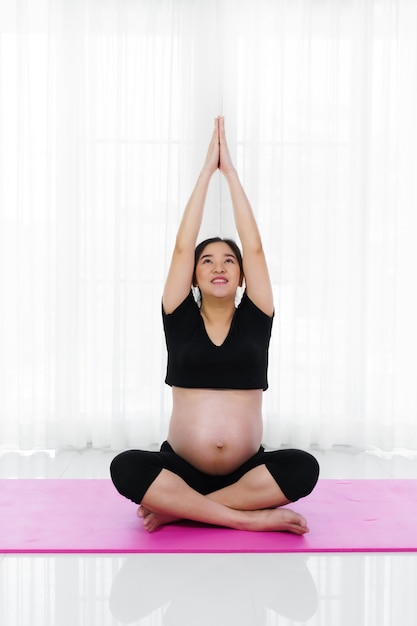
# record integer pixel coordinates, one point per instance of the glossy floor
(208, 589)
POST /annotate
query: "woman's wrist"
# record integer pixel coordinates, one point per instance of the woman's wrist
(206, 172)
(231, 175)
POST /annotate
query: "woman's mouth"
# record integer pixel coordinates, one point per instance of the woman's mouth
(219, 281)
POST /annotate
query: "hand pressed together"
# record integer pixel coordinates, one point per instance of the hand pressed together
(225, 162)
(218, 154)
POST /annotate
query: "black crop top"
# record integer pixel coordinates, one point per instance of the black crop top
(194, 361)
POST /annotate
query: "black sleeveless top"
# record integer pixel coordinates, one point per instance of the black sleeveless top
(194, 361)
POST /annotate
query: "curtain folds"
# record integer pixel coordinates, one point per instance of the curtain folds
(106, 110)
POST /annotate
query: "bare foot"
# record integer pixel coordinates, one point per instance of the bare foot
(279, 519)
(151, 521)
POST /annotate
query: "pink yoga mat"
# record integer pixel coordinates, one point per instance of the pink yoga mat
(89, 516)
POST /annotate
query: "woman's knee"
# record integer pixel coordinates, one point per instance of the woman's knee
(295, 471)
(309, 471)
(121, 469)
(133, 471)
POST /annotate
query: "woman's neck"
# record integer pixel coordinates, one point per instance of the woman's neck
(217, 310)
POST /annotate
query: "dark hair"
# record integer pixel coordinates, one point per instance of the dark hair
(230, 242)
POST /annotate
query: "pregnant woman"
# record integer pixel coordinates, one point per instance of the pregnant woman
(213, 468)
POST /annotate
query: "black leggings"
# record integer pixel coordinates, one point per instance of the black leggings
(132, 472)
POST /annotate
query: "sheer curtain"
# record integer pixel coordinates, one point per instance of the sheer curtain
(106, 109)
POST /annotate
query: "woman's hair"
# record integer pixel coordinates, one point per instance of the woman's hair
(232, 244)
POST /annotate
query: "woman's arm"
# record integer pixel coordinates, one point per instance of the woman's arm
(258, 284)
(178, 282)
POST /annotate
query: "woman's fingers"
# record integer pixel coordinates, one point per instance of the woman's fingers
(226, 164)
(212, 158)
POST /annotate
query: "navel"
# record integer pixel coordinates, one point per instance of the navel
(220, 445)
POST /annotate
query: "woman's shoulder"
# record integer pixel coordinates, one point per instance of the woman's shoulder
(188, 304)
(247, 305)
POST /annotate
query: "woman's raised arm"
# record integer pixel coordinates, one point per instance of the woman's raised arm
(178, 282)
(258, 284)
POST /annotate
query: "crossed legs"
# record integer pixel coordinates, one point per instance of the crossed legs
(252, 503)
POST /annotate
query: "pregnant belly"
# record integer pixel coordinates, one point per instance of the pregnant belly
(216, 453)
(216, 431)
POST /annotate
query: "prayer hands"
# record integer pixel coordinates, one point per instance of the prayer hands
(213, 154)
(218, 155)
(225, 161)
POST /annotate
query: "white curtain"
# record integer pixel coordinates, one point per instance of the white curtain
(106, 109)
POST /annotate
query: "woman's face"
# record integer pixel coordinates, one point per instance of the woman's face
(217, 270)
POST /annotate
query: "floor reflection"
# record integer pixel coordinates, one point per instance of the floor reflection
(216, 588)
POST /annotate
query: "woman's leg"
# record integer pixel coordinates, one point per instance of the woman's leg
(168, 488)
(169, 498)
(271, 479)
(257, 489)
